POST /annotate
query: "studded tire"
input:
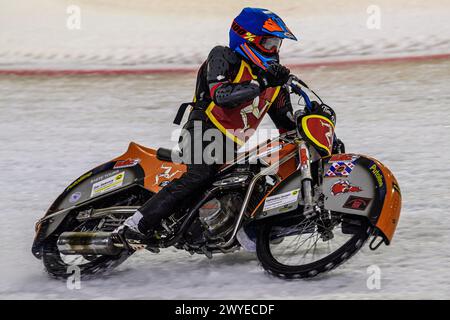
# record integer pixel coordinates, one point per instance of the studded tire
(57, 268)
(328, 263)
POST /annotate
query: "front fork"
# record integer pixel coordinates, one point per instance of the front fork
(310, 208)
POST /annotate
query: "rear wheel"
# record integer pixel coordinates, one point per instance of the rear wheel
(304, 248)
(62, 265)
(103, 214)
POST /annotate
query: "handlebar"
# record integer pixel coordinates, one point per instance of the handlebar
(299, 91)
(295, 83)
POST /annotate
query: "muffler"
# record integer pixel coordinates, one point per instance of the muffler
(93, 243)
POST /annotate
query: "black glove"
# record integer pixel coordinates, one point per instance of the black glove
(274, 76)
(323, 110)
(338, 146)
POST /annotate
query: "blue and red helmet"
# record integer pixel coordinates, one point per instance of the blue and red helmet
(256, 34)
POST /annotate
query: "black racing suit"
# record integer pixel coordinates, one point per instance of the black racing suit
(216, 73)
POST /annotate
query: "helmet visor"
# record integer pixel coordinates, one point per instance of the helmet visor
(270, 44)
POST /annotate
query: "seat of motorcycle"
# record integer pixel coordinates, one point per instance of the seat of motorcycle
(164, 154)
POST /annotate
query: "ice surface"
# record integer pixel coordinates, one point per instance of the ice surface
(141, 33)
(54, 129)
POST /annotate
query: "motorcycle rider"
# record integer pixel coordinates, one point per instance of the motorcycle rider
(236, 86)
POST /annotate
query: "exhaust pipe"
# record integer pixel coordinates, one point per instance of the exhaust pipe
(95, 243)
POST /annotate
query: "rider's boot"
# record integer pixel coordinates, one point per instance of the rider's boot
(130, 235)
(140, 228)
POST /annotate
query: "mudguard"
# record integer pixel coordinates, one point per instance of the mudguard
(137, 166)
(360, 185)
(352, 184)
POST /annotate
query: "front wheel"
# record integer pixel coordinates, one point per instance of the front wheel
(304, 248)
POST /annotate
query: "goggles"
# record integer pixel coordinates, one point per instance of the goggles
(269, 44)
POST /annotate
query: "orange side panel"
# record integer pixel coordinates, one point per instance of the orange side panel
(286, 148)
(284, 171)
(290, 166)
(156, 171)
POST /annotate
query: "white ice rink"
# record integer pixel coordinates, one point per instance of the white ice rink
(54, 129)
(161, 33)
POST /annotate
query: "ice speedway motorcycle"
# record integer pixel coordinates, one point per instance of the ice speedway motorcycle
(309, 210)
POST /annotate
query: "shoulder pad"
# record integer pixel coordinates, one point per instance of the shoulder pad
(223, 52)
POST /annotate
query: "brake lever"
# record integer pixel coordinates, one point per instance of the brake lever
(293, 78)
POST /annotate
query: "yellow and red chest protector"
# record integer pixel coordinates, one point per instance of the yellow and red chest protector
(241, 122)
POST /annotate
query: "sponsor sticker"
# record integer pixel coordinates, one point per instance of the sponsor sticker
(303, 158)
(103, 176)
(377, 174)
(343, 157)
(343, 186)
(166, 174)
(108, 184)
(80, 179)
(74, 197)
(281, 199)
(357, 203)
(340, 169)
(126, 163)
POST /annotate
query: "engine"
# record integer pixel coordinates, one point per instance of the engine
(219, 214)
(217, 217)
